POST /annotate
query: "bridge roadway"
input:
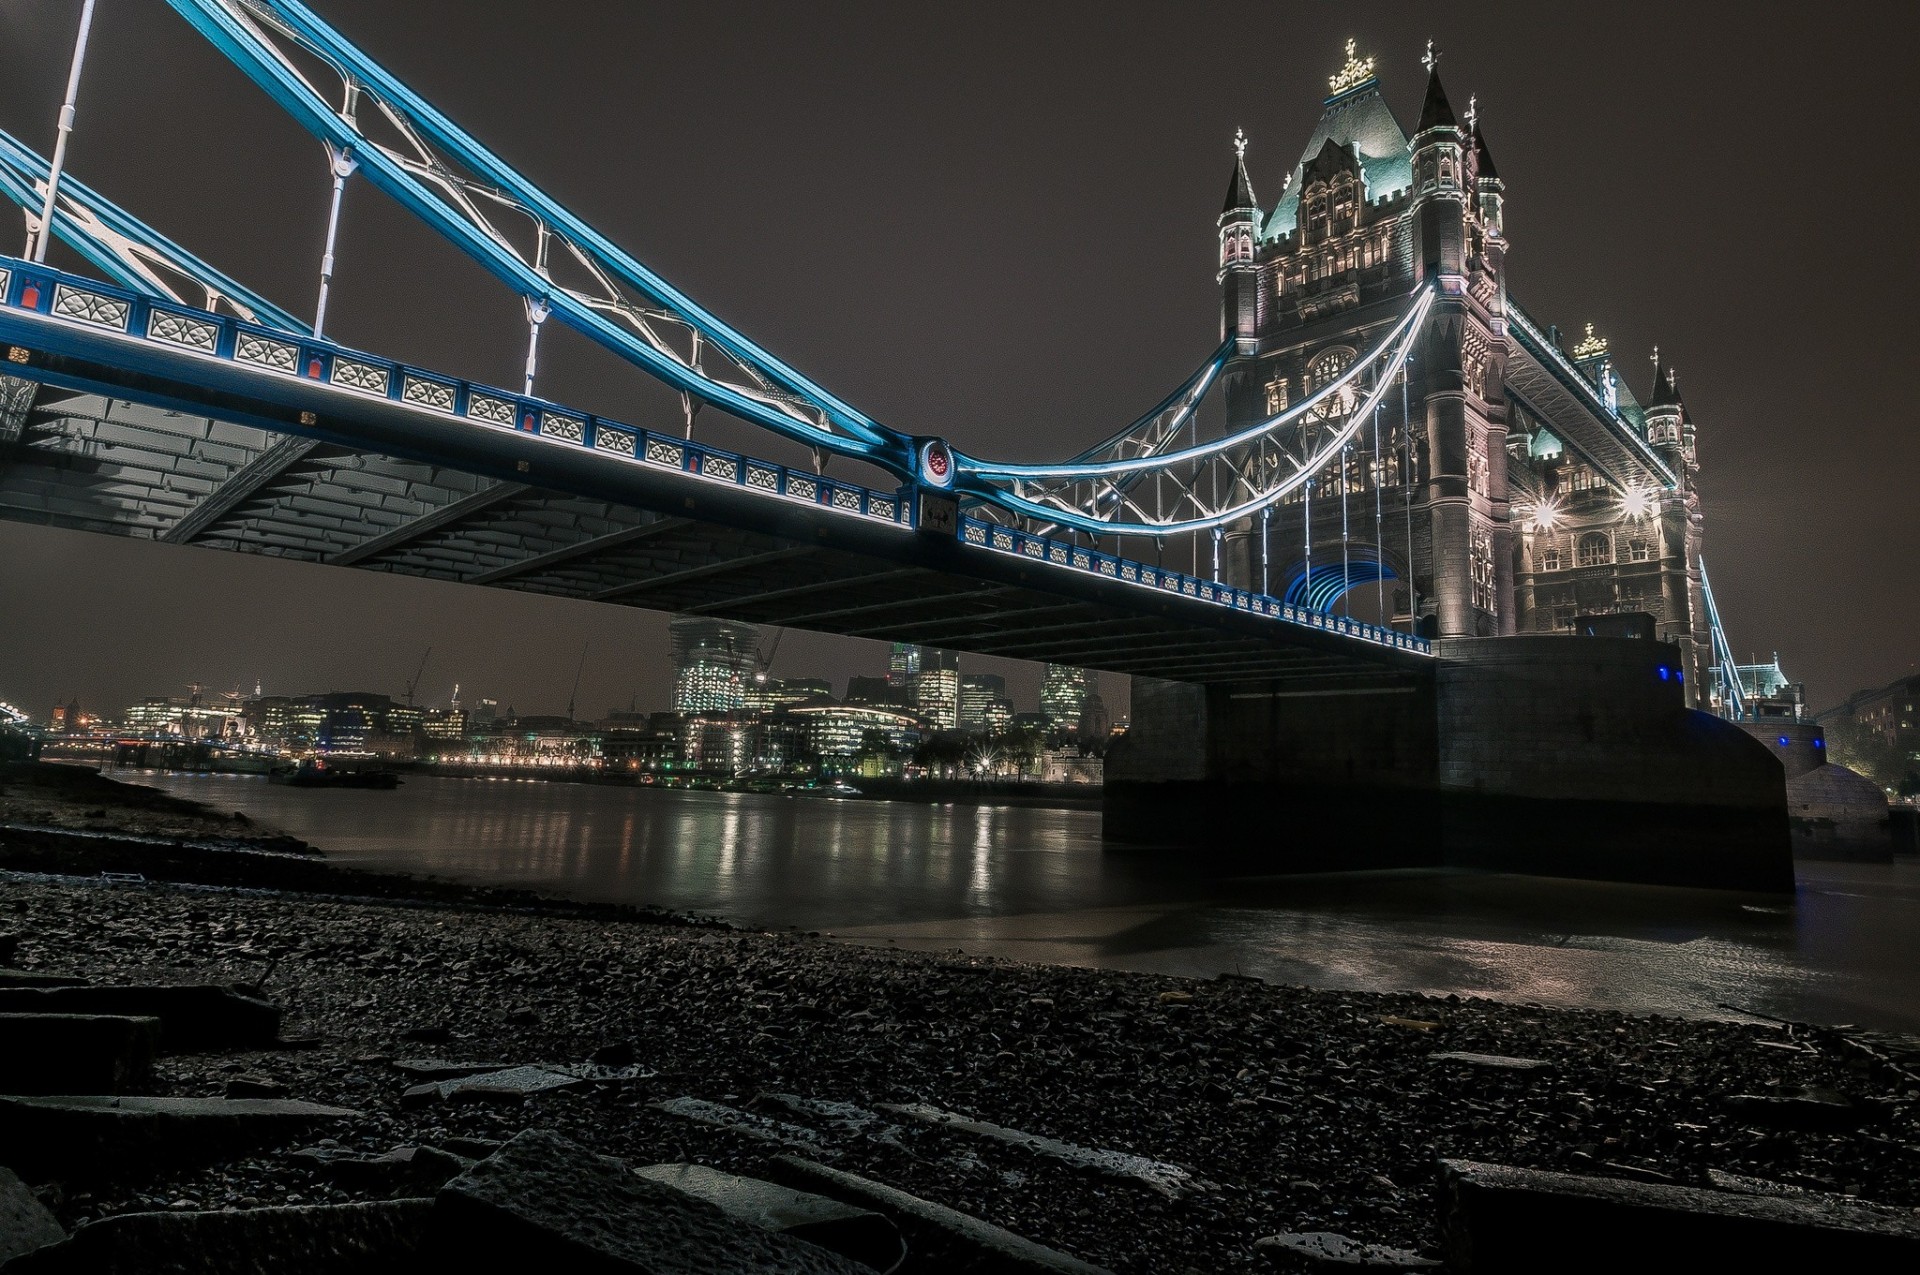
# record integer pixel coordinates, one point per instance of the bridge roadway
(126, 415)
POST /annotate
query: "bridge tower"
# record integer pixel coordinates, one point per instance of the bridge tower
(1365, 217)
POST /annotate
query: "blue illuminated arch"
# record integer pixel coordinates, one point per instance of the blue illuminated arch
(1333, 580)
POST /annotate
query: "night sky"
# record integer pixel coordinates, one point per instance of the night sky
(996, 223)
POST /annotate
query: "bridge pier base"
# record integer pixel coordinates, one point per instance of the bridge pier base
(1557, 756)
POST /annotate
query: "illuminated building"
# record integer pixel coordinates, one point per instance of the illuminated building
(936, 690)
(765, 694)
(984, 706)
(713, 663)
(1063, 697)
(903, 664)
(842, 731)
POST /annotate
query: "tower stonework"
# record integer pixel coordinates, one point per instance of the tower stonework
(1506, 496)
(1471, 504)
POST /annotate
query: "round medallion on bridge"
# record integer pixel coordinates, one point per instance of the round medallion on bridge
(936, 463)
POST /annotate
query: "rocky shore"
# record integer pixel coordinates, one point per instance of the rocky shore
(1135, 1123)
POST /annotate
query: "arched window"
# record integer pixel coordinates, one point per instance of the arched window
(1594, 550)
(1638, 550)
(1325, 368)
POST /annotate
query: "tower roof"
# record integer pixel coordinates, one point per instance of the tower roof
(1485, 157)
(1240, 188)
(1436, 111)
(1666, 392)
(1359, 119)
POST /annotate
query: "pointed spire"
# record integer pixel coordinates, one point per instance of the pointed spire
(1240, 190)
(1666, 388)
(1436, 111)
(1485, 166)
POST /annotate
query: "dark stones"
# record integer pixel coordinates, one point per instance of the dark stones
(943, 1241)
(192, 1016)
(858, 1233)
(745, 1123)
(34, 978)
(59, 1053)
(432, 1034)
(403, 1171)
(1324, 1250)
(1809, 1110)
(1165, 1179)
(1498, 1219)
(542, 1203)
(25, 1223)
(103, 1137)
(381, 1238)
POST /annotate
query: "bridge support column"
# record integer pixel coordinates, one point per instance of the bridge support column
(1547, 755)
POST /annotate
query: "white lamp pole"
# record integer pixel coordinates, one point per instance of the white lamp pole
(45, 231)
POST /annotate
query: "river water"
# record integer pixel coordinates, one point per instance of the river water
(1037, 884)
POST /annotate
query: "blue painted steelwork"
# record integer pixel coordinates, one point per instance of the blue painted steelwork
(235, 29)
(121, 246)
(1333, 581)
(64, 314)
(143, 325)
(1071, 557)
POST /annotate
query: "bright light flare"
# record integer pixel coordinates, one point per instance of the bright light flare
(1636, 502)
(1545, 517)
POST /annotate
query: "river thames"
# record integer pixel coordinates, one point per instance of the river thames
(1037, 884)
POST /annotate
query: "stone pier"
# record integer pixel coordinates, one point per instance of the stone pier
(1554, 755)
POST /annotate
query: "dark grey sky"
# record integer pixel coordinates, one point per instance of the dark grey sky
(995, 222)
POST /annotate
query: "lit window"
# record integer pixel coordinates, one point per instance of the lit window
(1594, 550)
(1638, 551)
(1549, 559)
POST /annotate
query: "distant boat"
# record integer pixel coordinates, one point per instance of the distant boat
(317, 772)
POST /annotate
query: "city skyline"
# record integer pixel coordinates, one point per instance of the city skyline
(1150, 165)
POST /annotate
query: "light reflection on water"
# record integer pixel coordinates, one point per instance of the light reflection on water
(1037, 884)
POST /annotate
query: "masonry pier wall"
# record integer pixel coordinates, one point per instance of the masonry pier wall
(1553, 755)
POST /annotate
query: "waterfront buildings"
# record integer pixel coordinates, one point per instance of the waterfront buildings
(936, 689)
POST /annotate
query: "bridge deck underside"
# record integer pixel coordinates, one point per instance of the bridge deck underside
(106, 465)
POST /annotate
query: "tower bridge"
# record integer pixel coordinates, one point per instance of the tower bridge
(1391, 427)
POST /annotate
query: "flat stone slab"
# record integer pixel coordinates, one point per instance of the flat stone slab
(1497, 1062)
(25, 1223)
(193, 1016)
(746, 1123)
(1812, 1110)
(1169, 1180)
(441, 1069)
(34, 978)
(58, 1053)
(1499, 1219)
(943, 1241)
(540, 1203)
(515, 1084)
(332, 1239)
(403, 1171)
(846, 1229)
(1326, 1250)
(91, 1137)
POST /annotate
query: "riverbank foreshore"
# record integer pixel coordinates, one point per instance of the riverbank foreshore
(1283, 1109)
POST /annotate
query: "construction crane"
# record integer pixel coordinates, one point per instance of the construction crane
(766, 661)
(414, 681)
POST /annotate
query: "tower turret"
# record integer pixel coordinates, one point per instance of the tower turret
(1239, 230)
(1664, 414)
(1440, 184)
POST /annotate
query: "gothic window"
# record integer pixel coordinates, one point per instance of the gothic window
(1276, 396)
(1550, 559)
(1446, 170)
(1638, 551)
(1325, 368)
(1563, 617)
(1482, 570)
(1594, 550)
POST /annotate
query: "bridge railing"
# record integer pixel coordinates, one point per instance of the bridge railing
(87, 304)
(1071, 557)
